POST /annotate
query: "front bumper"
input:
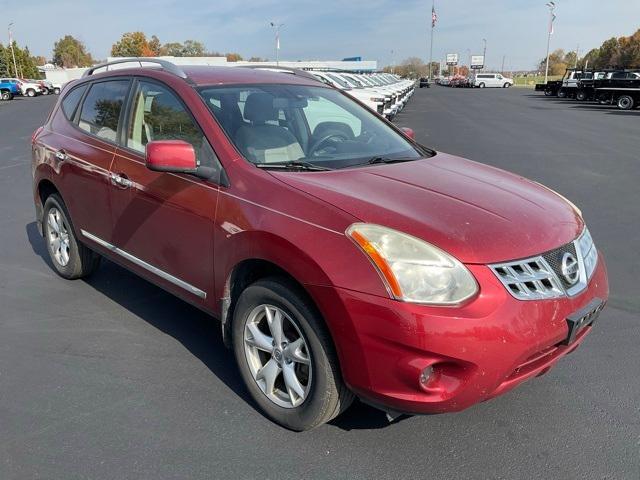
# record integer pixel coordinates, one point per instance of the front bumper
(477, 351)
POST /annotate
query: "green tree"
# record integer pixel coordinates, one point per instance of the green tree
(173, 49)
(131, 44)
(193, 48)
(24, 61)
(71, 52)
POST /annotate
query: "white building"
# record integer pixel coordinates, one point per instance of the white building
(64, 75)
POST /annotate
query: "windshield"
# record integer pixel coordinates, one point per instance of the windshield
(338, 80)
(280, 124)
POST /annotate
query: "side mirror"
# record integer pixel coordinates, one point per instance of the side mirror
(409, 132)
(175, 156)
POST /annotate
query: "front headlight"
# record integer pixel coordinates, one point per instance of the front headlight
(412, 269)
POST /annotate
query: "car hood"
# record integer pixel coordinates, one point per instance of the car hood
(478, 213)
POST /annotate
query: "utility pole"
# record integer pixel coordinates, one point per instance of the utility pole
(277, 27)
(484, 53)
(13, 53)
(552, 17)
(502, 69)
(433, 24)
(577, 52)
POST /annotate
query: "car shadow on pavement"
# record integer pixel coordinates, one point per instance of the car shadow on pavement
(197, 331)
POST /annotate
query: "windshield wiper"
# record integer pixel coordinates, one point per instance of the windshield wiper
(293, 165)
(375, 160)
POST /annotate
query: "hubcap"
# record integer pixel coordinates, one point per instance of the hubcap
(278, 356)
(58, 237)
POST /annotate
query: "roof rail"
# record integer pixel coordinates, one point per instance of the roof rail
(164, 64)
(275, 68)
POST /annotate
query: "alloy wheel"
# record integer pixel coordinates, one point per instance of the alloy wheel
(58, 237)
(278, 356)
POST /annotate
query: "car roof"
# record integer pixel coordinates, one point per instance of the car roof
(202, 75)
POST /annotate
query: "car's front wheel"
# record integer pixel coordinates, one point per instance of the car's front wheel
(70, 258)
(31, 92)
(6, 96)
(286, 356)
(56, 91)
(482, 85)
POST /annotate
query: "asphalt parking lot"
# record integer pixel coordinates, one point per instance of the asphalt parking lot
(112, 378)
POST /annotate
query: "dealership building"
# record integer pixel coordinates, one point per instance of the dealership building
(356, 64)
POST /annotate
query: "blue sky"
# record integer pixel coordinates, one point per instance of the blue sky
(330, 29)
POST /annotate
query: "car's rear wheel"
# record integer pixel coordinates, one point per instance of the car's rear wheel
(581, 96)
(56, 91)
(70, 258)
(31, 92)
(6, 96)
(548, 93)
(625, 102)
(506, 85)
(286, 356)
(481, 85)
(562, 93)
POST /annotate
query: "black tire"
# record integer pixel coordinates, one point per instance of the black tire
(581, 96)
(45, 92)
(31, 92)
(562, 93)
(6, 96)
(506, 85)
(548, 93)
(56, 91)
(481, 85)
(625, 102)
(327, 396)
(82, 261)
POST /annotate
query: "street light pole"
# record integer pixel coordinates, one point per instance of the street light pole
(277, 26)
(552, 7)
(13, 53)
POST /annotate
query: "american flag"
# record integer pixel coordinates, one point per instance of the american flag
(434, 16)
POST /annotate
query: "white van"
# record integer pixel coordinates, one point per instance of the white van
(492, 80)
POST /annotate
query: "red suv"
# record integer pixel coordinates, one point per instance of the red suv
(341, 257)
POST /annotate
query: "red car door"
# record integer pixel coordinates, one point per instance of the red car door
(163, 222)
(81, 144)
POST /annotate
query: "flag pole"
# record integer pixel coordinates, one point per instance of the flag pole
(552, 7)
(433, 9)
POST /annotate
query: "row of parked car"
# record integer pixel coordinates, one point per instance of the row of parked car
(384, 93)
(620, 87)
(12, 87)
(480, 80)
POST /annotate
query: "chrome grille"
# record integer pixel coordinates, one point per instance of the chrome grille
(541, 277)
(530, 279)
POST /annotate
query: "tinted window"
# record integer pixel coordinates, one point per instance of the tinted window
(71, 100)
(157, 114)
(101, 108)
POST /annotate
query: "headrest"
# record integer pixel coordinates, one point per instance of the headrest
(259, 107)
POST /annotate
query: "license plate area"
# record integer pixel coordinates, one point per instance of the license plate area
(582, 319)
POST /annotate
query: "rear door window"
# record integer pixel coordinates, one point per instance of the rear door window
(101, 109)
(71, 100)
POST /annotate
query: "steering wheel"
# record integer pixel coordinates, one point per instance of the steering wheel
(324, 139)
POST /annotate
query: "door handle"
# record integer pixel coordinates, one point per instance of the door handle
(120, 181)
(61, 155)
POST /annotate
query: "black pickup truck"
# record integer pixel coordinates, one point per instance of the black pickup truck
(619, 88)
(550, 88)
